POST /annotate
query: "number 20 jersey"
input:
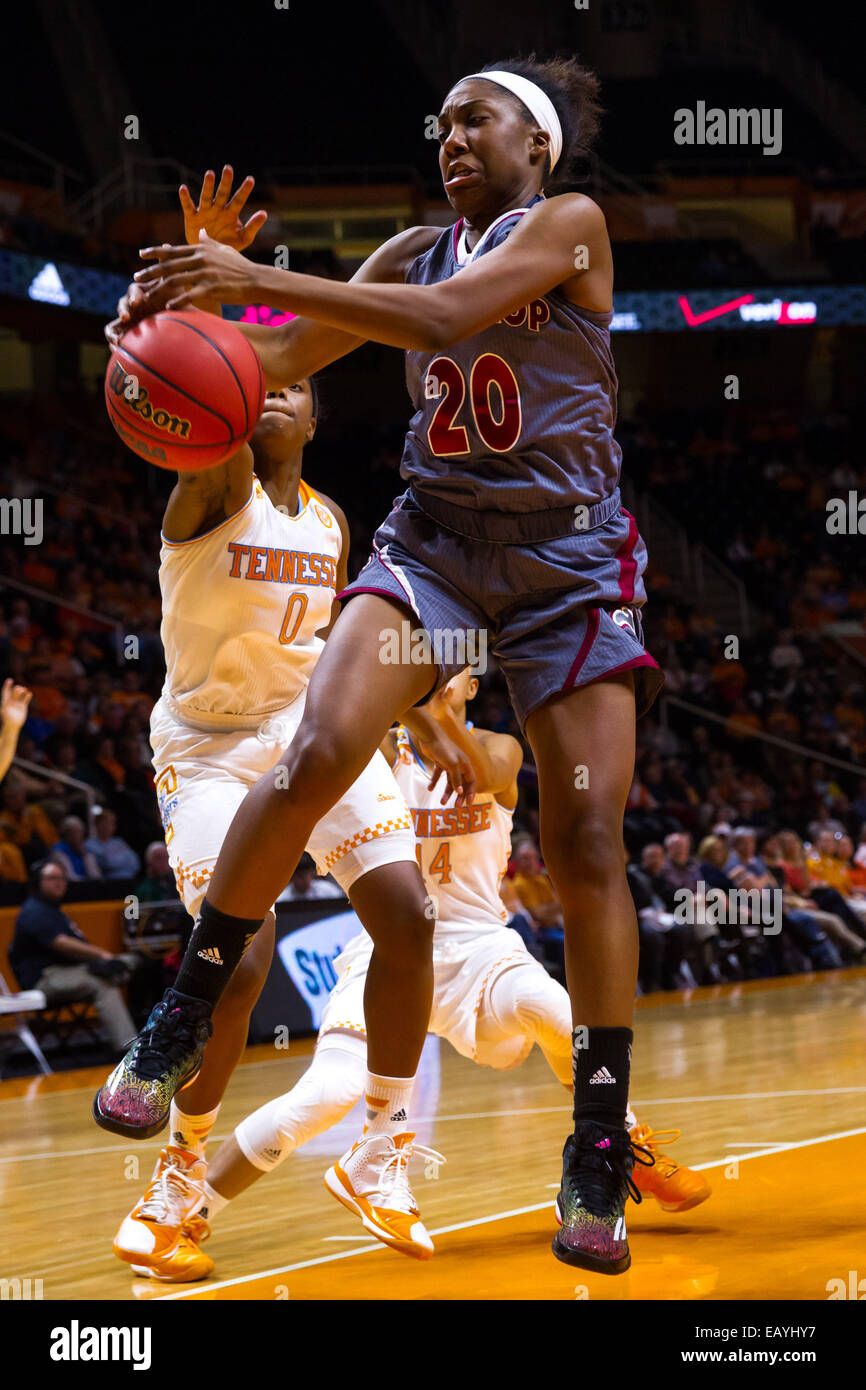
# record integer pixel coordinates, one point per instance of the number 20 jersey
(518, 417)
(241, 608)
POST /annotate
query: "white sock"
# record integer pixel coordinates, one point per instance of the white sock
(387, 1100)
(212, 1205)
(191, 1132)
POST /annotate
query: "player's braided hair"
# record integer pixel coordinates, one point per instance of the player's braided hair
(574, 91)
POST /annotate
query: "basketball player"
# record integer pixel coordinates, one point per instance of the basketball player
(249, 567)
(491, 999)
(512, 527)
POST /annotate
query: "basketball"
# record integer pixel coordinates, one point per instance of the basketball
(184, 390)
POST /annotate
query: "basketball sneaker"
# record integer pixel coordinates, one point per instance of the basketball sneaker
(164, 1058)
(597, 1165)
(160, 1237)
(372, 1180)
(674, 1188)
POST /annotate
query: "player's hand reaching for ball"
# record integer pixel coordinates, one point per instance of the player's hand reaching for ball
(218, 215)
(219, 211)
(183, 275)
(130, 308)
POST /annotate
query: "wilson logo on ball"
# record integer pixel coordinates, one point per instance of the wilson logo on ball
(139, 401)
(184, 390)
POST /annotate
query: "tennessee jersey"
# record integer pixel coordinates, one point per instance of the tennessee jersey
(241, 607)
(463, 850)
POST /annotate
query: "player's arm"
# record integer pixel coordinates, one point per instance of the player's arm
(303, 346)
(443, 753)
(548, 249)
(202, 500)
(388, 747)
(496, 759)
(342, 561)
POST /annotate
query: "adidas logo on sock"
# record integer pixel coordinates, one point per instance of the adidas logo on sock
(212, 954)
(602, 1077)
(398, 1118)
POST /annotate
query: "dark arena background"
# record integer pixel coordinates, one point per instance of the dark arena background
(738, 332)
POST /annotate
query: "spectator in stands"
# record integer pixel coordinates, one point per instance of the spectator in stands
(784, 852)
(798, 867)
(49, 952)
(680, 869)
(13, 868)
(76, 860)
(825, 865)
(662, 961)
(14, 700)
(743, 858)
(680, 874)
(306, 886)
(712, 857)
(158, 884)
(519, 921)
(115, 858)
(825, 823)
(652, 861)
(751, 871)
(856, 867)
(536, 893)
(25, 824)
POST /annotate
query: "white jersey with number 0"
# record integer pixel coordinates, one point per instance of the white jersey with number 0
(463, 849)
(241, 608)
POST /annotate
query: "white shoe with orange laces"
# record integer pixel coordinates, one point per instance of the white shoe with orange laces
(160, 1237)
(372, 1180)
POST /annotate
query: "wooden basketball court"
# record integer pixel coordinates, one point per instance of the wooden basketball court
(766, 1081)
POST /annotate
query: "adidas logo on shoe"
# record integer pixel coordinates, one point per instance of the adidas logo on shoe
(600, 1078)
(212, 954)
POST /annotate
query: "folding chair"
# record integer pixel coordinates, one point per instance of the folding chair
(26, 1001)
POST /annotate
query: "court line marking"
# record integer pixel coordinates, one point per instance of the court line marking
(139, 1146)
(481, 1221)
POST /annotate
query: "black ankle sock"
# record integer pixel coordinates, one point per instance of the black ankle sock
(215, 948)
(601, 1058)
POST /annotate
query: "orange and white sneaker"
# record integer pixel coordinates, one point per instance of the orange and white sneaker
(372, 1180)
(160, 1237)
(674, 1188)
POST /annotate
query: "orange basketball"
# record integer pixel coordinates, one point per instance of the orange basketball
(184, 389)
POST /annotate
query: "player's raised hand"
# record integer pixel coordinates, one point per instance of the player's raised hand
(218, 211)
(14, 703)
(207, 271)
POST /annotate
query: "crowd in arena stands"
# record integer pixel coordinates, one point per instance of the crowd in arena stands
(82, 790)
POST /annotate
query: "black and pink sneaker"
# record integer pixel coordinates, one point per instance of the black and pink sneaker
(597, 1166)
(165, 1057)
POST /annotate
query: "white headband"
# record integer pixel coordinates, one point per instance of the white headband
(537, 102)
